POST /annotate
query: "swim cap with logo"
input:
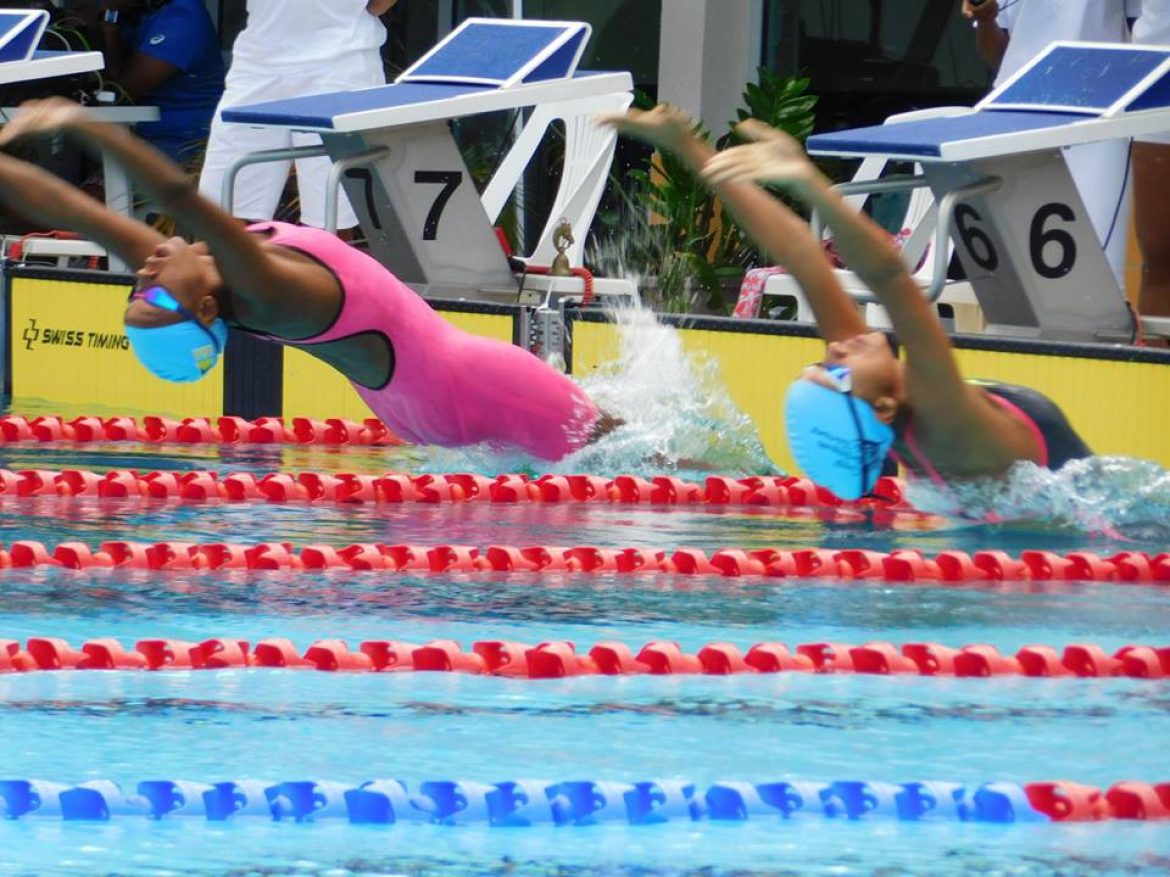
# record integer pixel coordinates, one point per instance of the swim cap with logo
(836, 438)
(184, 351)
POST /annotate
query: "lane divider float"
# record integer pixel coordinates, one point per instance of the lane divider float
(534, 802)
(398, 487)
(558, 660)
(899, 566)
(15, 428)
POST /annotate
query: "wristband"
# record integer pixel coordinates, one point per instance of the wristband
(110, 16)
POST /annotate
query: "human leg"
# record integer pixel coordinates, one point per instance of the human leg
(1151, 183)
(257, 187)
(1101, 174)
(354, 71)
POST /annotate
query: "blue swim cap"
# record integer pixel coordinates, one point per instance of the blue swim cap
(183, 351)
(836, 438)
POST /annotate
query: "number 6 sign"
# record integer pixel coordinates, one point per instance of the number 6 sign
(1029, 249)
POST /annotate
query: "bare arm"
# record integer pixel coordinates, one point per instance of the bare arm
(380, 7)
(991, 40)
(782, 234)
(932, 375)
(50, 201)
(268, 285)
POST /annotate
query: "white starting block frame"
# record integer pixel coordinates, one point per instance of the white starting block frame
(1005, 193)
(393, 151)
(20, 61)
(20, 33)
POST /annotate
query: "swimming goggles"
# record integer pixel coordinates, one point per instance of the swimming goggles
(872, 455)
(161, 297)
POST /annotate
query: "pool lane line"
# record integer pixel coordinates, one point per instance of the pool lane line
(535, 802)
(400, 487)
(557, 660)
(899, 566)
(16, 429)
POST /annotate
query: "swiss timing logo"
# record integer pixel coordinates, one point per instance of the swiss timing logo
(52, 336)
(30, 334)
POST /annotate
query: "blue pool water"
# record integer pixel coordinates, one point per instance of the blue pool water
(283, 725)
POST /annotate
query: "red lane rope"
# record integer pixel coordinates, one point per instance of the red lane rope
(560, 659)
(398, 487)
(902, 565)
(196, 430)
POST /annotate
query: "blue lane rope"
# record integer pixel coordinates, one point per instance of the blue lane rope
(524, 802)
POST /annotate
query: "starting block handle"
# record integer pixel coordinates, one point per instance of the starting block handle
(227, 192)
(1156, 326)
(894, 183)
(942, 232)
(946, 211)
(336, 170)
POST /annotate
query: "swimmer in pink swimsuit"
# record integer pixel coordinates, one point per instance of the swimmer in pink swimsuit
(444, 386)
(427, 380)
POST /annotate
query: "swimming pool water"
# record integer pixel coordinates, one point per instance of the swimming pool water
(282, 725)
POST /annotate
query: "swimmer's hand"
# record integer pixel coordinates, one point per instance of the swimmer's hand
(774, 157)
(665, 126)
(43, 118)
(980, 12)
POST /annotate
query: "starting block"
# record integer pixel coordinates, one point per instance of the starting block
(20, 61)
(393, 152)
(1006, 195)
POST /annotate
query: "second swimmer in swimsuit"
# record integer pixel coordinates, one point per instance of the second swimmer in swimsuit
(428, 381)
(845, 414)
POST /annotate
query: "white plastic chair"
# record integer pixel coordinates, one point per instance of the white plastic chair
(588, 154)
(917, 251)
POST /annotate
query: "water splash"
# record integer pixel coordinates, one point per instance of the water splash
(678, 414)
(677, 410)
(1110, 495)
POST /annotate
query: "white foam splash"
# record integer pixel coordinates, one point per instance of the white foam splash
(677, 411)
(1096, 495)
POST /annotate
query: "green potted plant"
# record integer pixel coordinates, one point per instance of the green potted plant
(671, 232)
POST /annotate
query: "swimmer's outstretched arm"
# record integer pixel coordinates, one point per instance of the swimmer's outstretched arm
(784, 235)
(933, 378)
(48, 200)
(271, 287)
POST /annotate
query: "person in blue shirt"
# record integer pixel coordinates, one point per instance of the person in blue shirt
(165, 53)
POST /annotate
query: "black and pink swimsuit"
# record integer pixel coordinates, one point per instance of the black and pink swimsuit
(1055, 436)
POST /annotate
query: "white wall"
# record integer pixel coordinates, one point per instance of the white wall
(708, 50)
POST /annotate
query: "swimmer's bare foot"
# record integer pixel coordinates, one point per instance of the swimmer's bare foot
(603, 426)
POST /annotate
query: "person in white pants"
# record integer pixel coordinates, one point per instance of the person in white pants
(1009, 33)
(291, 48)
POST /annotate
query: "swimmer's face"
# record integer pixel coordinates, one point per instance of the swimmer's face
(189, 273)
(875, 372)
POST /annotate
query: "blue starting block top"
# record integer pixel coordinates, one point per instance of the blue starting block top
(1071, 93)
(20, 32)
(503, 53)
(1087, 78)
(413, 102)
(485, 64)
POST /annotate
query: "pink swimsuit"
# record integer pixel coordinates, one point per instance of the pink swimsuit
(448, 387)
